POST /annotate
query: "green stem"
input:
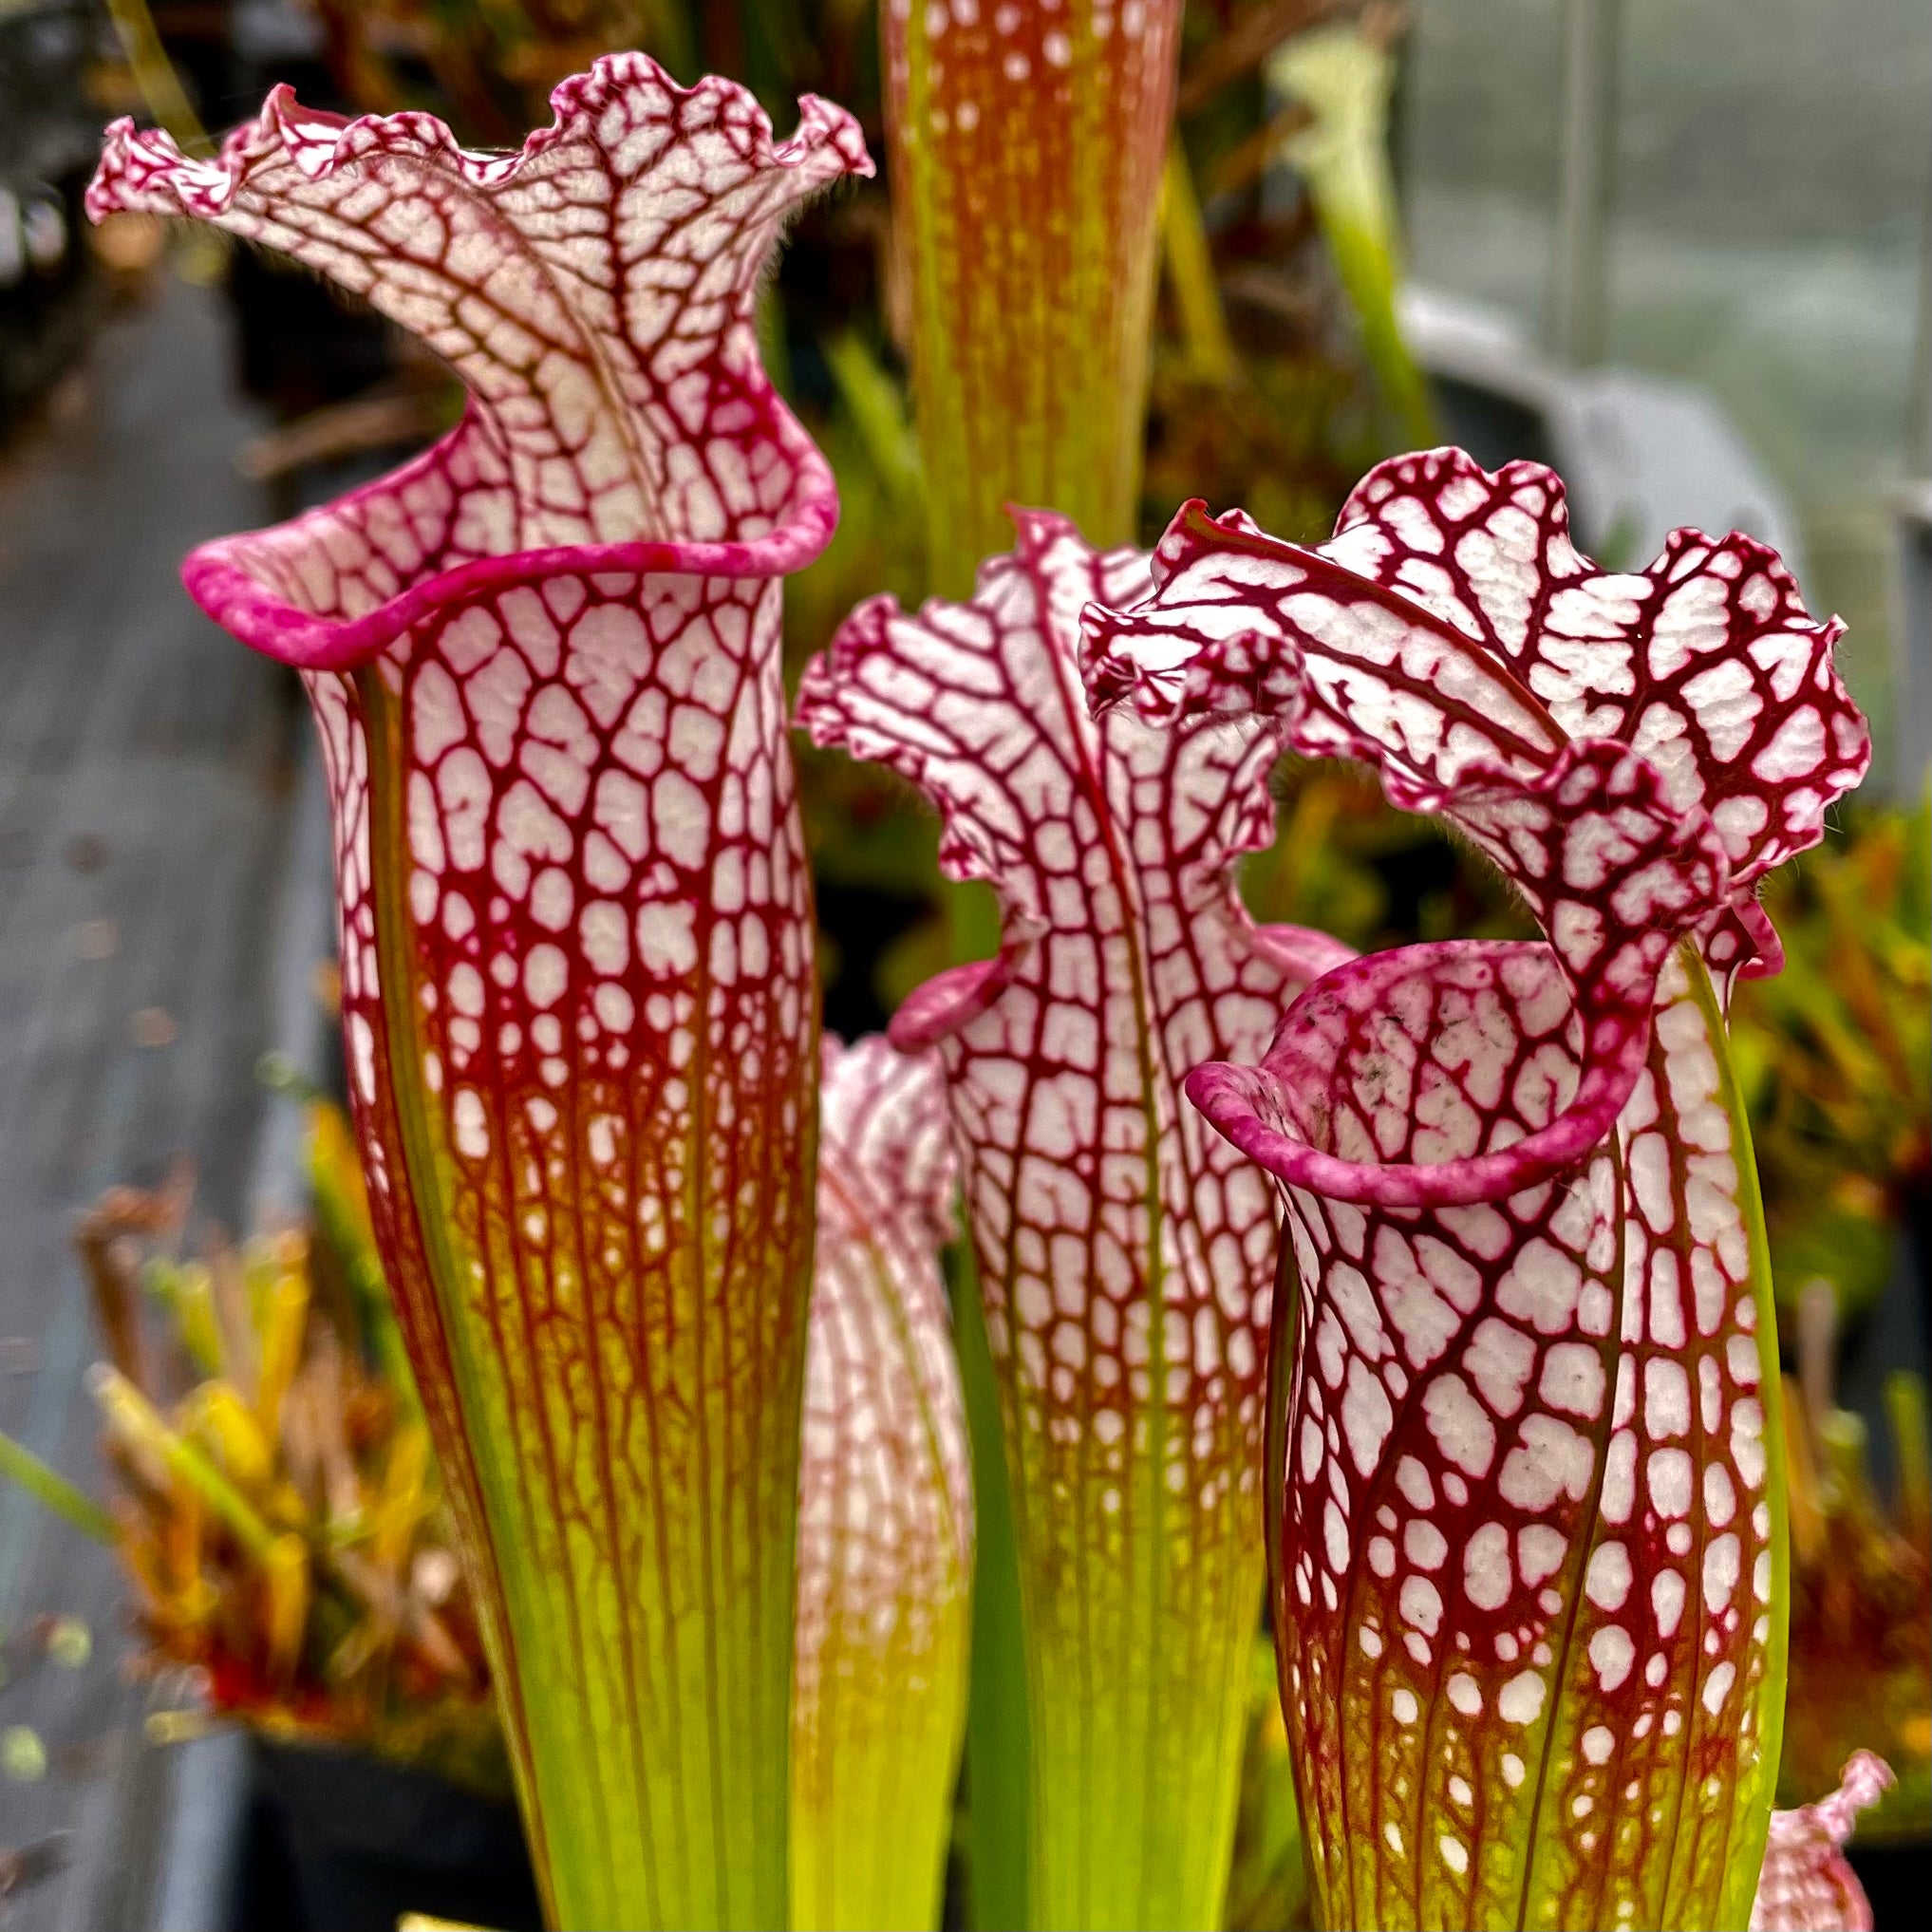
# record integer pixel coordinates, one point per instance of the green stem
(1748, 1841)
(878, 410)
(1345, 79)
(1191, 273)
(134, 1419)
(998, 1738)
(1906, 1408)
(154, 74)
(49, 1488)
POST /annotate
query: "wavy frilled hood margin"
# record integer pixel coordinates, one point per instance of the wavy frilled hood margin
(578, 993)
(1125, 1256)
(1633, 751)
(1527, 1505)
(594, 291)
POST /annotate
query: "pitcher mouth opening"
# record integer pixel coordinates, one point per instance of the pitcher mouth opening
(260, 585)
(1429, 1075)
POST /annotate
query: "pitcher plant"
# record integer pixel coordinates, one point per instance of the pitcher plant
(578, 990)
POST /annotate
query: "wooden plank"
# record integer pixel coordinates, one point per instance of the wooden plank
(144, 764)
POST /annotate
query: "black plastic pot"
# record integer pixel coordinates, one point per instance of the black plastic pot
(1894, 1875)
(340, 1842)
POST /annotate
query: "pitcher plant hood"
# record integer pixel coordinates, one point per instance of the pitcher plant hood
(1633, 751)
